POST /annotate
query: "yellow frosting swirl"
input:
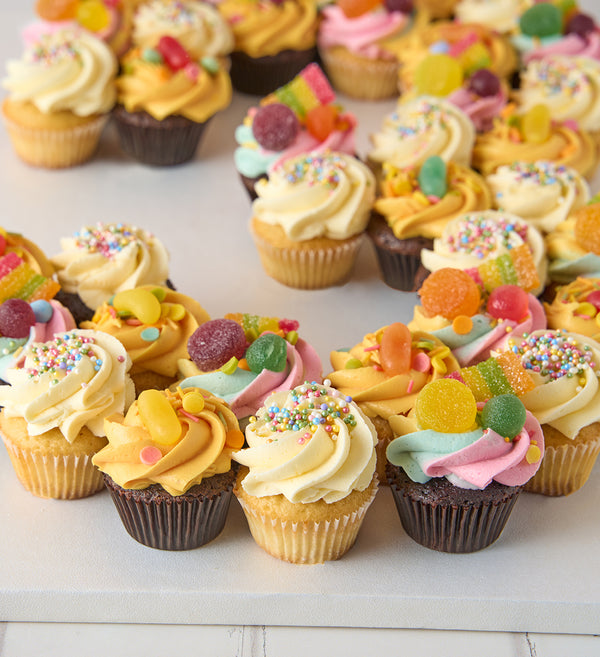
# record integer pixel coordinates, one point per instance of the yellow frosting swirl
(568, 258)
(327, 463)
(75, 380)
(499, 15)
(68, 70)
(27, 251)
(139, 454)
(571, 311)
(262, 28)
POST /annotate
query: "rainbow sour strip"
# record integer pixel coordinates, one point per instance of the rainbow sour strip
(516, 267)
(20, 281)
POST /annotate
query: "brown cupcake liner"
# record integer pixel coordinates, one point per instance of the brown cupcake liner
(166, 522)
(59, 477)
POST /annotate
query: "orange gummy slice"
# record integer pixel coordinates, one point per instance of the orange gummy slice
(56, 10)
(450, 292)
(395, 353)
(355, 8)
(587, 228)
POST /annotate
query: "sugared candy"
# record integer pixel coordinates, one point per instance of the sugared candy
(450, 292)
(438, 74)
(395, 352)
(541, 20)
(56, 10)
(580, 24)
(159, 417)
(213, 343)
(275, 126)
(484, 83)
(175, 55)
(320, 121)
(432, 177)
(508, 302)
(587, 228)
(267, 352)
(536, 124)
(447, 406)
(16, 318)
(504, 414)
(497, 375)
(355, 8)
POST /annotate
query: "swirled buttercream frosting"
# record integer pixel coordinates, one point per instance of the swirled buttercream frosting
(575, 308)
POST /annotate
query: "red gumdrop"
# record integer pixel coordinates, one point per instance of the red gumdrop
(395, 352)
(16, 318)
(275, 126)
(594, 299)
(215, 342)
(320, 121)
(508, 302)
(175, 55)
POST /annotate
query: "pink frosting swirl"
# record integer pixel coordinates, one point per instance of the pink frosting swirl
(571, 45)
(482, 110)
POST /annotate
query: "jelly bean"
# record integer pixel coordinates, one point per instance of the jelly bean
(193, 402)
(536, 123)
(580, 24)
(355, 8)
(586, 309)
(450, 292)
(438, 75)
(432, 177)
(541, 20)
(56, 10)
(504, 414)
(93, 15)
(320, 121)
(587, 228)
(152, 56)
(508, 302)
(159, 417)
(484, 83)
(16, 318)
(213, 343)
(175, 55)
(275, 126)
(267, 352)
(594, 299)
(446, 406)
(395, 353)
(42, 310)
(140, 303)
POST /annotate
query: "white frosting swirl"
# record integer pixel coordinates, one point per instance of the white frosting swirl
(499, 15)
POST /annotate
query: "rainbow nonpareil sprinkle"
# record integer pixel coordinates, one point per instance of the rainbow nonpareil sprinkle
(106, 239)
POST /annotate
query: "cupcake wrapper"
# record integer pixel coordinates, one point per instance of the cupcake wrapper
(453, 528)
(398, 270)
(564, 469)
(306, 542)
(56, 149)
(180, 523)
(59, 477)
(309, 269)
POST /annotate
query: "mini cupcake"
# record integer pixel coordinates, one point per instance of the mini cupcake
(154, 325)
(457, 468)
(99, 261)
(309, 218)
(52, 422)
(385, 372)
(300, 117)
(413, 207)
(353, 46)
(301, 509)
(575, 308)
(53, 124)
(245, 358)
(167, 467)
(273, 41)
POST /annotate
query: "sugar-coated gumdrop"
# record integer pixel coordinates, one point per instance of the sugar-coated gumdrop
(504, 414)
(56, 10)
(16, 318)
(395, 351)
(403, 6)
(275, 126)
(42, 310)
(159, 417)
(541, 20)
(432, 177)
(508, 302)
(213, 343)
(175, 55)
(587, 228)
(320, 121)
(535, 124)
(438, 74)
(93, 15)
(355, 8)
(450, 292)
(484, 83)
(594, 299)
(267, 352)
(580, 24)
(447, 406)
(141, 303)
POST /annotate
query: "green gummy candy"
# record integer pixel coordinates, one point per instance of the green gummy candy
(432, 177)
(504, 414)
(267, 352)
(541, 20)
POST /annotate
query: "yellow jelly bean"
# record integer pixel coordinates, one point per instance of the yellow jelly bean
(93, 15)
(535, 124)
(174, 311)
(533, 454)
(586, 308)
(141, 303)
(193, 402)
(159, 417)
(438, 75)
(447, 406)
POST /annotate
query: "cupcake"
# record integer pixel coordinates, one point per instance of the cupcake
(457, 467)
(99, 261)
(28, 251)
(273, 41)
(167, 467)
(244, 358)
(434, 9)
(307, 509)
(302, 116)
(165, 98)
(154, 325)
(53, 124)
(309, 218)
(542, 193)
(575, 308)
(499, 15)
(385, 372)
(413, 207)
(52, 422)
(566, 402)
(353, 46)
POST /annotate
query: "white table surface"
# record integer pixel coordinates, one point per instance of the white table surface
(72, 579)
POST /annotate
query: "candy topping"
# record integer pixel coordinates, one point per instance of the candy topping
(446, 406)
(61, 356)
(315, 169)
(480, 235)
(450, 292)
(504, 414)
(159, 417)
(275, 126)
(587, 228)
(267, 352)
(508, 302)
(438, 74)
(541, 20)
(213, 343)
(16, 318)
(108, 240)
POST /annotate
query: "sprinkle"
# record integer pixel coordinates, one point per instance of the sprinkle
(106, 239)
(61, 356)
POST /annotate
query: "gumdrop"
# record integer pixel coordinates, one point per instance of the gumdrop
(450, 292)
(93, 15)
(395, 353)
(159, 417)
(56, 10)
(581, 25)
(320, 121)
(536, 124)
(504, 414)
(484, 83)
(508, 302)
(267, 352)
(16, 318)
(275, 126)
(587, 228)
(541, 20)
(355, 8)
(446, 406)
(432, 177)
(215, 342)
(438, 74)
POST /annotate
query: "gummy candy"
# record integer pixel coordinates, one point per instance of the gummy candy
(19, 280)
(450, 292)
(395, 352)
(484, 83)
(475, 57)
(540, 20)
(447, 406)
(309, 89)
(355, 8)
(515, 267)
(16, 318)
(508, 302)
(403, 6)
(213, 343)
(254, 325)
(580, 24)
(432, 177)
(438, 74)
(498, 374)
(267, 352)
(535, 124)
(175, 55)
(56, 10)
(159, 417)
(93, 15)
(140, 303)
(320, 121)
(587, 228)
(505, 414)
(275, 126)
